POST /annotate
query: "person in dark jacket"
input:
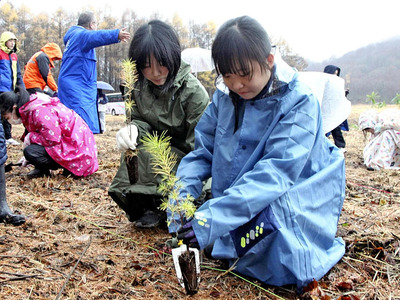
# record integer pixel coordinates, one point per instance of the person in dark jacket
(6, 215)
(37, 73)
(167, 98)
(337, 134)
(10, 74)
(102, 101)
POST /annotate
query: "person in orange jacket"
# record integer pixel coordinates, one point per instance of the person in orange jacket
(37, 73)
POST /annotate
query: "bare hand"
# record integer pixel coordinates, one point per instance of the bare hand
(124, 35)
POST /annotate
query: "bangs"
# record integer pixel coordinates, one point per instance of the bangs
(152, 48)
(237, 57)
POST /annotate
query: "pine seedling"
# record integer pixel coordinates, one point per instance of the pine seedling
(163, 161)
(129, 78)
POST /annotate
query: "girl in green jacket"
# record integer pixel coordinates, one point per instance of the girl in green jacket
(167, 98)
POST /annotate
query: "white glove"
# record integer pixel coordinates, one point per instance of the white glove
(27, 141)
(126, 138)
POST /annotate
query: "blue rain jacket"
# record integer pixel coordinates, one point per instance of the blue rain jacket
(77, 82)
(278, 185)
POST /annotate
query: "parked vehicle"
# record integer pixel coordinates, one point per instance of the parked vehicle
(116, 104)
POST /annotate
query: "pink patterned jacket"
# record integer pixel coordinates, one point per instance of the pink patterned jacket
(63, 133)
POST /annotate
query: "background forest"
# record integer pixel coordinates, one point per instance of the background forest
(34, 31)
(373, 68)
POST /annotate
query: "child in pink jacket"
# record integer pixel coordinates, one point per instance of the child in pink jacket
(56, 136)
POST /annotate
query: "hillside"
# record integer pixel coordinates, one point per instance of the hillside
(374, 68)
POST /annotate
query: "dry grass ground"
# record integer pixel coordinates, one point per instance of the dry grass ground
(77, 244)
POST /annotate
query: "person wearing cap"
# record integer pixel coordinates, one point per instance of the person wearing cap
(37, 75)
(77, 82)
(10, 74)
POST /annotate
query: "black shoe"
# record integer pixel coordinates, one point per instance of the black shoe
(13, 219)
(208, 250)
(37, 173)
(67, 173)
(150, 219)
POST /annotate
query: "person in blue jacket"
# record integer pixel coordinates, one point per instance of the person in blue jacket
(278, 184)
(10, 74)
(77, 81)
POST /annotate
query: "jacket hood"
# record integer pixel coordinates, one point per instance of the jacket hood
(5, 36)
(368, 119)
(53, 51)
(331, 69)
(183, 71)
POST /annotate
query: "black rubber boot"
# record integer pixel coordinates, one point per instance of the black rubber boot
(37, 173)
(152, 219)
(6, 215)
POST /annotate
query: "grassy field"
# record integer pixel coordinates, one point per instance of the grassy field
(77, 244)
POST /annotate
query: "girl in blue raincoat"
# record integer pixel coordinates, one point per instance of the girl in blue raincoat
(278, 184)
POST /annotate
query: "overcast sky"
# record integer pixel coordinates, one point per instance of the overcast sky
(314, 29)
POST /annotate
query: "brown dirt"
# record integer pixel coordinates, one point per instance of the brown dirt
(77, 242)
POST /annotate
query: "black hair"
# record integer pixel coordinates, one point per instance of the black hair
(237, 43)
(9, 99)
(85, 18)
(161, 40)
(331, 69)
